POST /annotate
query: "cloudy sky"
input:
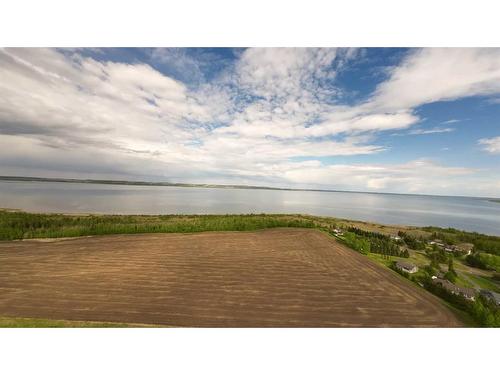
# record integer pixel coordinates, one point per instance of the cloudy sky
(386, 120)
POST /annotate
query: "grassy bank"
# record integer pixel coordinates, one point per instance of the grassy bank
(22, 225)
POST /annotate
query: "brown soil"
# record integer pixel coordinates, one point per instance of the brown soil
(270, 278)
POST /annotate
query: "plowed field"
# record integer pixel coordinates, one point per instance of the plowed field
(269, 278)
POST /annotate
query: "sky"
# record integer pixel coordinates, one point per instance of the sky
(420, 121)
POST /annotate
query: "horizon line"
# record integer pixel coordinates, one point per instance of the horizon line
(209, 185)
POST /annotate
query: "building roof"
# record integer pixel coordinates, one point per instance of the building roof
(405, 265)
(491, 295)
(467, 292)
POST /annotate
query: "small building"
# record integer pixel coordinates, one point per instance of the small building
(439, 275)
(464, 248)
(467, 293)
(437, 243)
(338, 232)
(459, 250)
(396, 238)
(492, 296)
(406, 267)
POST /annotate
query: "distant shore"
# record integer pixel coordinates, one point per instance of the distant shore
(212, 186)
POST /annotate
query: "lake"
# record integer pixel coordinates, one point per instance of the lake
(472, 214)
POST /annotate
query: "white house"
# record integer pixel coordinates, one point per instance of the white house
(338, 232)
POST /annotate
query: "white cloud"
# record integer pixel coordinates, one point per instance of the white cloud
(266, 120)
(452, 121)
(435, 74)
(491, 145)
(431, 131)
(294, 102)
(294, 73)
(179, 63)
(421, 175)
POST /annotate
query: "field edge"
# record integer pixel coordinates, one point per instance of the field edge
(24, 322)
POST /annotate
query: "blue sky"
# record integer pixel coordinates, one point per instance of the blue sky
(377, 119)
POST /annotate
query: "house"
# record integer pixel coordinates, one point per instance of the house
(467, 293)
(338, 232)
(396, 238)
(440, 275)
(460, 250)
(464, 248)
(492, 296)
(437, 243)
(406, 267)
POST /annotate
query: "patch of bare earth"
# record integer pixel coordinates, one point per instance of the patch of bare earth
(270, 278)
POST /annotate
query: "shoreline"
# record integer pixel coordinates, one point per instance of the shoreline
(394, 227)
(391, 229)
(219, 186)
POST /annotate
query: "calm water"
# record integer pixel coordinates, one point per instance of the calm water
(473, 214)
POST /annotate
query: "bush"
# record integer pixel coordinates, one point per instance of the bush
(411, 242)
(484, 261)
(356, 242)
(379, 243)
(21, 225)
(450, 276)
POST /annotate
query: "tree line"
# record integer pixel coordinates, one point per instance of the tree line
(365, 241)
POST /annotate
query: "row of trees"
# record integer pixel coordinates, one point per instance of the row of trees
(19, 225)
(487, 246)
(373, 242)
(386, 247)
(364, 233)
(484, 261)
(411, 241)
(357, 243)
(474, 260)
(451, 275)
(437, 254)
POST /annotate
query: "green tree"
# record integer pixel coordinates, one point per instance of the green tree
(450, 276)
(451, 268)
(434, 262)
